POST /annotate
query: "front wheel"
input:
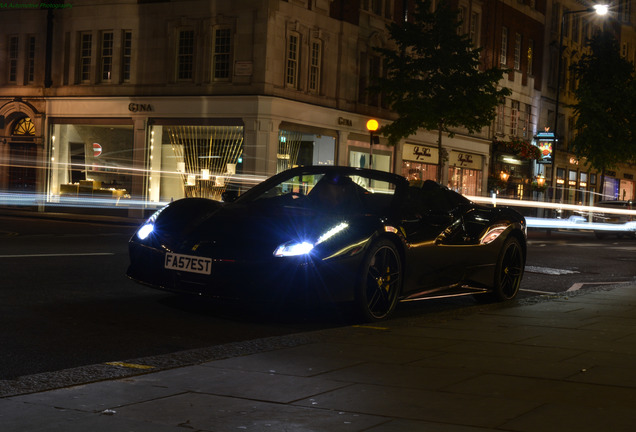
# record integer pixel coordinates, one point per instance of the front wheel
(509, 271)
(380, 282)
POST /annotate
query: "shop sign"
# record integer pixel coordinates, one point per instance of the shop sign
(465, 160)
(136, 107)
(344, 121)
(545, 142)
(421, 154)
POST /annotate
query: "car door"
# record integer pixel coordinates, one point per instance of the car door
(434, 230)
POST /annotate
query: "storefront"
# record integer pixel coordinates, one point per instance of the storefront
(91, 158)
(420, 162)
(165, 149)
(465, 172)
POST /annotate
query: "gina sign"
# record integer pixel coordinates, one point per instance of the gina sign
(139, 107)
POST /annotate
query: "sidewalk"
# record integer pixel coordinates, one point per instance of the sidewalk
(548, 364)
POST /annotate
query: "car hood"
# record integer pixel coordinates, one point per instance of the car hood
(249, 231)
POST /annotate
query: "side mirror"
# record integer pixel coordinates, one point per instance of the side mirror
(229, 196)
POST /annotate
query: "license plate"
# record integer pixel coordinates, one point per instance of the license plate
(188, 263)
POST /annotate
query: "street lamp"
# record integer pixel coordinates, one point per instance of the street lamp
(372, 126)
(599, 9)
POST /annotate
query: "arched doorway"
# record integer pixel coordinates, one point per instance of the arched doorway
(22, 156)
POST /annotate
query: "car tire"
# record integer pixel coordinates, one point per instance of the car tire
(380, 282)
(509, 271)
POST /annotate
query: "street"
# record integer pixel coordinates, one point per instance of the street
(65, 300)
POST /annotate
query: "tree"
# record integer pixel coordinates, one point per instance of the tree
(433, 77)
(605, 110)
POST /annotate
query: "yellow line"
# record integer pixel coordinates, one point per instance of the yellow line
(371, 327)
(129, 365)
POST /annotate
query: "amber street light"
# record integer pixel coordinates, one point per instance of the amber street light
(372, 126)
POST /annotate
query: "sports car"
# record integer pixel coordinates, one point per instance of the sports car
(333, 234)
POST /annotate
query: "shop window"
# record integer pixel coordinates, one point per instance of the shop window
(193, 161)
(222, 53)
(465, 181)
(419, 172)
(91, 160)
(303, 149)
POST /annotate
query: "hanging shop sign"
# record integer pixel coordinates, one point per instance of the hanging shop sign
(545, 142)
(465, 160)
(422, 154)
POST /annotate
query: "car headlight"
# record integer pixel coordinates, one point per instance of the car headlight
(149, 226)
(145, 231)
(293, 249)
(296, 248)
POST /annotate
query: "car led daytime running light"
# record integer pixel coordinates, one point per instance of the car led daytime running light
(304, 248)
(147, 228)
(332, 232)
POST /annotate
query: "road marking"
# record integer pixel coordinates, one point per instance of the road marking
(578, 286)
(58, 255)
(370, 327)
(549, 271)
(536, 291)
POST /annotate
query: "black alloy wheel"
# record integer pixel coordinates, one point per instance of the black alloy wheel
(509, 270)
(381, 282)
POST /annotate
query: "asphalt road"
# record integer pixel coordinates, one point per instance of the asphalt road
(65, 301)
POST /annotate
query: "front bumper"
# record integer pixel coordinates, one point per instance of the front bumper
(273, 279)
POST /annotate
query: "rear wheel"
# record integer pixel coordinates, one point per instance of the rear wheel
(509, 271)
(381, 279)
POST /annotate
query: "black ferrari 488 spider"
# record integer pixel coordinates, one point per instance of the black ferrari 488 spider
(334, 234)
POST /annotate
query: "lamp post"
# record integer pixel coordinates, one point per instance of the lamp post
(372, 126)
(599, 9)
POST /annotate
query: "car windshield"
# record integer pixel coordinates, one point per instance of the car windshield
(330, 192)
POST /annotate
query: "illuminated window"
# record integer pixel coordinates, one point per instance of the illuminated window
(530, 64)
(24, 127)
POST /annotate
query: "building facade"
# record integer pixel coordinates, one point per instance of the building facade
(159, 100)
